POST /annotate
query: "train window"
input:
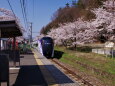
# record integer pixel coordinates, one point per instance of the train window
(47, 40)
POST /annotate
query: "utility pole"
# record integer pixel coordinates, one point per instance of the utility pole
(31, 30)
(30, 36)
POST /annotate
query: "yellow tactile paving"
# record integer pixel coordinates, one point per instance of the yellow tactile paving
(47, 76)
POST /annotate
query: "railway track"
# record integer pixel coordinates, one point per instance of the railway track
(71, 73)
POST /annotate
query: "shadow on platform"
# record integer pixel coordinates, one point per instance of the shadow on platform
(32, 76)
(58, 75)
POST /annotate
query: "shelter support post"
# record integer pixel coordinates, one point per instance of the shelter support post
(14, 48)
(0, 40)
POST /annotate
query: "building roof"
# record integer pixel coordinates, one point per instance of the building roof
(9, 29)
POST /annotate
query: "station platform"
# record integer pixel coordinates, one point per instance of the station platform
(36, 70)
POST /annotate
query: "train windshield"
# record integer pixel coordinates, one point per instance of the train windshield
(47, 40)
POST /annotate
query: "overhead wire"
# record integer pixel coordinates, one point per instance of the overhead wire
(23, 13)
(11, 8)
(26, 11)
(24, 8)
(33, 12)
(33, 8)
(24, 2)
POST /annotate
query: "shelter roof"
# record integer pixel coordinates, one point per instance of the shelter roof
(9, 29)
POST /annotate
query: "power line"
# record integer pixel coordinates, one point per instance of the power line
(11, 8)
(23, 7)
(23, 12)
(33, 9)
(26, 6)
(32, 13)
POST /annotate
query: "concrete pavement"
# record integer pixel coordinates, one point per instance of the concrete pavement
(36, 70)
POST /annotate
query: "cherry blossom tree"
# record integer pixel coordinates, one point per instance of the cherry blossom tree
(74, 33)
(6, 15)
(105, 19)
(81, 32)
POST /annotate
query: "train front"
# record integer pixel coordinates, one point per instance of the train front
(47, 47)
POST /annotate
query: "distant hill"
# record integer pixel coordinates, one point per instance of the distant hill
(71, 12)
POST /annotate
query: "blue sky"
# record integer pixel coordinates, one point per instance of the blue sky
(43, 10)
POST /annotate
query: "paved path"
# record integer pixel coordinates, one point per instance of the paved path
(60, 79)
(36, 70)
(28, 74)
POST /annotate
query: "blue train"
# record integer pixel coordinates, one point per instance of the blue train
(46, 47)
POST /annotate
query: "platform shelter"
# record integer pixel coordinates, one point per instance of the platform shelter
(8, 29)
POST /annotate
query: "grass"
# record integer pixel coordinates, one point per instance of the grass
(97, 61)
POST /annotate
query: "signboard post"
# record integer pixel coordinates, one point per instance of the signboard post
(110, 45)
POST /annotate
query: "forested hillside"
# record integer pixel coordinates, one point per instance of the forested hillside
(84, 22)
(71, 12)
